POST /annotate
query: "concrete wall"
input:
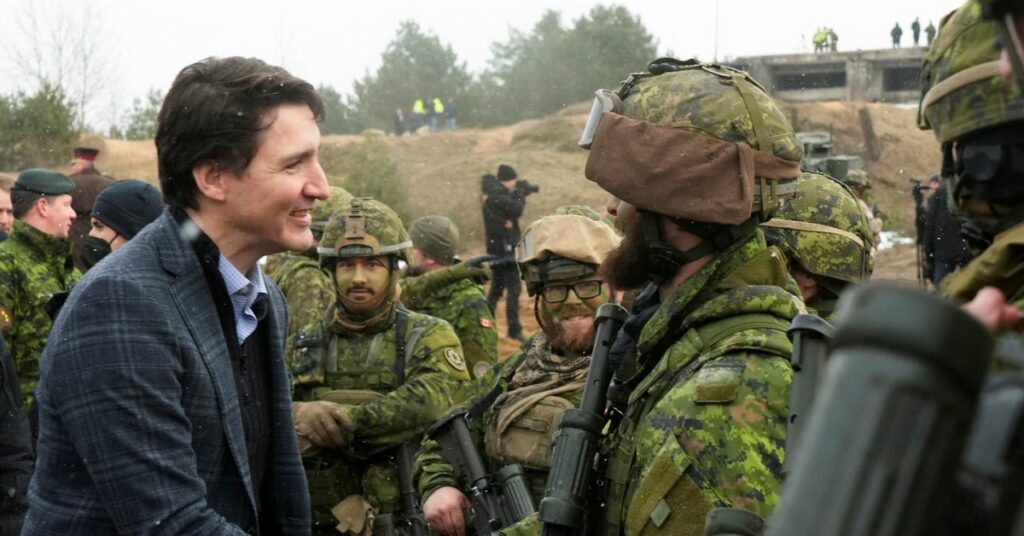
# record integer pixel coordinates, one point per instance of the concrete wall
(869, 75)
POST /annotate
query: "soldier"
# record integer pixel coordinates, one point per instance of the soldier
(699, 155)
(859, 183)
(915, 31)
(306, 287)
(370, 376)
(896, 33)
(978, 119)
(6, 210)
(462, 303)
(558, 257)
(825, 235)
(35, 263)
(89, 182)
(929, 33)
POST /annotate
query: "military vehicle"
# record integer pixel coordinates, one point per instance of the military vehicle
(819, 155)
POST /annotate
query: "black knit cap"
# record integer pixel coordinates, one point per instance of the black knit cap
(127, 206)
(506, 173)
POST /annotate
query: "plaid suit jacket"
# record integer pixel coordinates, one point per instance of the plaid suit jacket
(140, 430)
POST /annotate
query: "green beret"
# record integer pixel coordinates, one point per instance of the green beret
(436, 236)
(44, 181)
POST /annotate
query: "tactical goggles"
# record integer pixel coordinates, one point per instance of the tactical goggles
(583, 290)
(604, 101)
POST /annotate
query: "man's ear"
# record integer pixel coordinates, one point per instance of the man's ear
(42, 206)
(210, 179)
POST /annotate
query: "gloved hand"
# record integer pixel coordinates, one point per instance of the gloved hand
(324, 424)
(479, 261)
(478, 268)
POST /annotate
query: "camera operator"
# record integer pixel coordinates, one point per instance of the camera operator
(504, 200)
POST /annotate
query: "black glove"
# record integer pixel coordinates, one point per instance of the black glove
(479, 261)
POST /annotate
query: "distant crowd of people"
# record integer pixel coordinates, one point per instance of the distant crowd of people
(915, 29)
(428, 113)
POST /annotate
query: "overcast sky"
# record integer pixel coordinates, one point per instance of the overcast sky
(337, 41)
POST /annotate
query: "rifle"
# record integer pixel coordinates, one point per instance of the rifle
(563, 509)
(494, 506)
(416, 524)
(810, 335)
(917, 192)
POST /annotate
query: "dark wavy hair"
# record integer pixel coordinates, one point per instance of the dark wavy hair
(215, 112)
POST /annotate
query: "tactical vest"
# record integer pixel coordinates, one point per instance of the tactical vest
(718, 382)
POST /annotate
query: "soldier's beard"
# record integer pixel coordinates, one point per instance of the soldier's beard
(574, 334)
(628, 266)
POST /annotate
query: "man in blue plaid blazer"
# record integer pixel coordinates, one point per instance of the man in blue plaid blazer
(164, 400)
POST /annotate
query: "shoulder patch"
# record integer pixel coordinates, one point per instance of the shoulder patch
(486, 323)
(718, 383)
(454, 359)
(6, 320)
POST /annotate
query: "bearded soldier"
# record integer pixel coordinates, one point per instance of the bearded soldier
(699, 156)
(825, 235)
(306, 287)
(370, 376)
(461, 302)
(522, 401)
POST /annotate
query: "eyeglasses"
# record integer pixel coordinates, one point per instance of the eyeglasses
(584, 290)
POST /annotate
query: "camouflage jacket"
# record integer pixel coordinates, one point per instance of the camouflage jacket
(433, 472)
(33, 267)
(463, 304)
(326, 359)
(308, 290)
(706, 419)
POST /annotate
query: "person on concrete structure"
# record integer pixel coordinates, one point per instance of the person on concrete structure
(833, 40)
(896, 33)
(819, 40)
(504, 202)
(307, 288)
(520, 402)
(461, 303)
(825, 235)
(16, 457)
(166, 407)
(929, 33)
(35, 263)
(915, 31)
(6, 209)
(370, 377)
(451, 114)
(89, 182)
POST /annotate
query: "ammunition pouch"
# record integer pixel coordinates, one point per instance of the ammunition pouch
(527, 441)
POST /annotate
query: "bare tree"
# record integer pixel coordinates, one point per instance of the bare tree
(66, 45)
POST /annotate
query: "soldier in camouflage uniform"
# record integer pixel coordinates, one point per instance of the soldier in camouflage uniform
(522, 401)
(307, 288)
(825, 235)
(362, 395)
(860, 185)
(35, 263)
(977, 114)
(699, 155)
(462, 303)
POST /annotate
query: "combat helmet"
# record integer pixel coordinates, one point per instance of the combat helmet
(700, 143)
(364, 228)
(857, 178)
(823, 229)
(966, 100)
(562, 246)
(322, 210)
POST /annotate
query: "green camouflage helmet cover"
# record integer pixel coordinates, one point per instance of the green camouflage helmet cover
(715, 101)
(824, 230)
(322, 210)
(859, 178)
(963, 90)
(364, 228)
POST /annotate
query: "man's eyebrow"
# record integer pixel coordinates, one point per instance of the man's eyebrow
(294, 157)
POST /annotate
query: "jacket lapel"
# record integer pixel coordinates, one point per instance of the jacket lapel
(191, 296)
